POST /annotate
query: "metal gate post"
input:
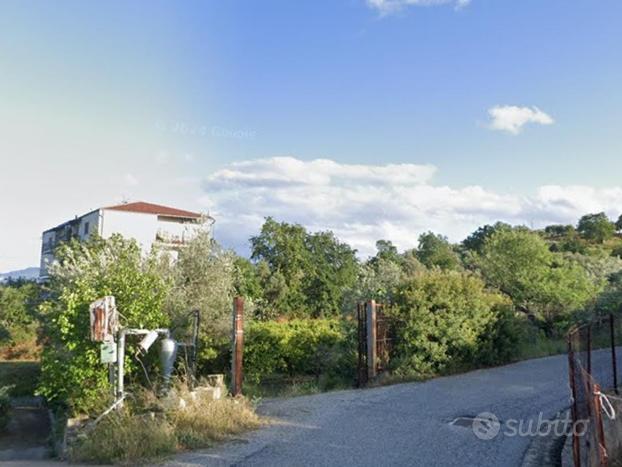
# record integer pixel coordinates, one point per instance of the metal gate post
(598, 419)
(238, 346)
(576, 449)
(614, 363)
(372, 357)
(589, 349)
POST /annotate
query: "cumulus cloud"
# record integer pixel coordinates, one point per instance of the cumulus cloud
(512, 118)
(391, 6)
(364, 203)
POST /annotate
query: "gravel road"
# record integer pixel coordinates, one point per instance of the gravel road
(405, 424)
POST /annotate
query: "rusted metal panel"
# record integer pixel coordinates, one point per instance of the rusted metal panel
(104, 319)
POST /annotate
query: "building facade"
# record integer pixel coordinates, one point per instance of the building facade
(149, 224)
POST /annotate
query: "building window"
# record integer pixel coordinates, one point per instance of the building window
(86, 228)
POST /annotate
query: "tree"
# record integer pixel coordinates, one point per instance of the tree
(282, 248)
(619, 224)
(475, 241)
(540, 283)
(71, 371)
(435, 250)
(333, 271)
(18, 315)
(558, 230)
(596, 227)
(385, 250)
(304, 274)
(203, 278)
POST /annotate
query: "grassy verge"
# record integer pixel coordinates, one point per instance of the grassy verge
(145, 430)
(284, 386)
(23, 376)
(541, 347)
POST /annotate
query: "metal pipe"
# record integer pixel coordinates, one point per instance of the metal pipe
(589, 348)
(120, 364)
(576, 449)
(120, 394)
(614, 363)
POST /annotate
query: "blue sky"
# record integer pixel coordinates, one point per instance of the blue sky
(163, 101)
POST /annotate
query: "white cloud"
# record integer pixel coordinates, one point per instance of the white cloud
(511, 118)
(364, 203)
(130, 180)
(391, 6)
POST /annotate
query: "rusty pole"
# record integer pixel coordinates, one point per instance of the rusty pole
(238, 346)
(602, 447)
(614, 362)
(372, 363)
(576, 449)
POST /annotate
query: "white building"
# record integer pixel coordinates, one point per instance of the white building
(150, 224)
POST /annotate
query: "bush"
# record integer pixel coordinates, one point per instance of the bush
(448, 321)
(23, 377)
(71, 371)
(5, 406)
(299, 347)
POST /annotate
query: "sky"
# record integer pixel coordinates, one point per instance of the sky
(371, 118)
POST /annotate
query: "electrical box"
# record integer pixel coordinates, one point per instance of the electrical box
(108, 352)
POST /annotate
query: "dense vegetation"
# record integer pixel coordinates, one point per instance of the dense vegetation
(501, 293)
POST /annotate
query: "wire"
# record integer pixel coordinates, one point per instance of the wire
(144, 369)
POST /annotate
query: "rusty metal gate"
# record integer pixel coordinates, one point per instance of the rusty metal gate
(376, 336)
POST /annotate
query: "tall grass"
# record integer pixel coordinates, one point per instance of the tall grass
(147, 429)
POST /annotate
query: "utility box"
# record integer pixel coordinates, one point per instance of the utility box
(108, 352)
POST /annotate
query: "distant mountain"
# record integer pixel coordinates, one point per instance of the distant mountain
(28, 273)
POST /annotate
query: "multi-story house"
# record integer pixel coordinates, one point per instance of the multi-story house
(150, 224)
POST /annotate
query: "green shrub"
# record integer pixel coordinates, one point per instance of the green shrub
(5, 406)
(448, 321)
(23, 377)
(299, 347)
(71, 370)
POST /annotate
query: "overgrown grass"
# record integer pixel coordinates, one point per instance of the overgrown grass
(202, 422)
(146, 429)
(283, 386)
(126, 438)
(23, 376)
(541, 347)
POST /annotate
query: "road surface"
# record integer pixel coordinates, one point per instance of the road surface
(405, 424)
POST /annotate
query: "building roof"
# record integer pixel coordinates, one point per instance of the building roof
(150, 208)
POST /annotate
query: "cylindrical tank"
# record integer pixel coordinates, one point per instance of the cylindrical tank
(168, 353)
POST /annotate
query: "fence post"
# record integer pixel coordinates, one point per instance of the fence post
(614, 362)
(576, 453)
(238, 346)
(589, 348)
(372, 363)
(602, 447)
(361, 371)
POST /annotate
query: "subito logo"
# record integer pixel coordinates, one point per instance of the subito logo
(486, 426)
